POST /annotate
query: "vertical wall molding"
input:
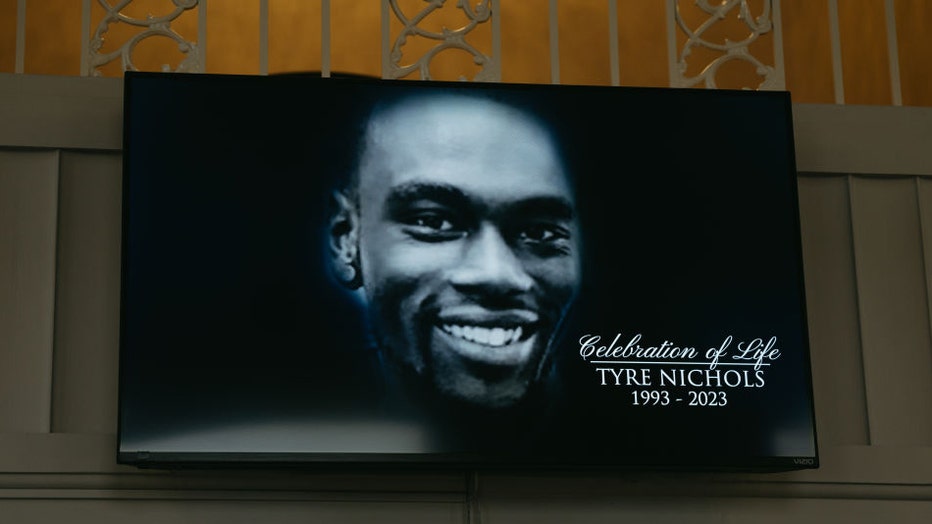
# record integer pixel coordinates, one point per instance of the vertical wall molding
(893, 299)
(85, 37)
(613, 41)
(924, 231)
(87, 294)
(778, 65)
(263, 37)
(495, 65)
(832, 311)
(554, 24)
(29, 188)
(893, 54)
(20, 36)
(835, 35)
(854, 250)
(672, 67)
(202, 35)
(325, 38)
(386, 40)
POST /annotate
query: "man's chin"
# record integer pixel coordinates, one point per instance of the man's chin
(481, 396)
(495, 374)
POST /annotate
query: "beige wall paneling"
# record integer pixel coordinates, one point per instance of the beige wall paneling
(102, 508)
(834, 138)
(523, 501)
(831, 298)
(48, 458)
(88, 294)
(28, 209)
(894, 313)
(924, 188)
(61, 112)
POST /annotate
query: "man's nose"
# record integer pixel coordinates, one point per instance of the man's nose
(490, 262)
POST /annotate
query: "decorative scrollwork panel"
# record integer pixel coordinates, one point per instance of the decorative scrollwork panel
(726, 42)
(148, 28)
(436, 31)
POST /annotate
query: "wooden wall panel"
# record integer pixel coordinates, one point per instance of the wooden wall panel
(52, 40)
(642, 43)
(584, 42)
(831, 297)
(525, 55)
(862, 28)
(28, 209)
(8, 35)
(87, 309)
(893, 310)
(295, 35)
(807, 51)
(914, 44)
(356, 38)
(233, 37)
(54, 31)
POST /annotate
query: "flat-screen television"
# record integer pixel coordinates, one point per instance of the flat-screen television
(351, 270)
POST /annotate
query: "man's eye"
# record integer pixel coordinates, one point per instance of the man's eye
(542, 233)
(431, 221)
(544, 239)
(432, 226)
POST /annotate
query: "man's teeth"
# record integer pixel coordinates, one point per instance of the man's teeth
(496, 336)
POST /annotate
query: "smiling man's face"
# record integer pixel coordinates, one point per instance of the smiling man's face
(467, 243)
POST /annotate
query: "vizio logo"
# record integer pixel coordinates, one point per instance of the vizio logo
(804, 461)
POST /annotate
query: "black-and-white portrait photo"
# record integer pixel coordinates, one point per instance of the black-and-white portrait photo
(459, 229)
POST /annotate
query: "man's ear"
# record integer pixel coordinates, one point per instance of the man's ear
(343, 236)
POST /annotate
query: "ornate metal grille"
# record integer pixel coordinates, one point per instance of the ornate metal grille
(726, 49)
(152, 26)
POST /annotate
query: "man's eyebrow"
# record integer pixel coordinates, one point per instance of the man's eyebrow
(550, 206)
(445, 194)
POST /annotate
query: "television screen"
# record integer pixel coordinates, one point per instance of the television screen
(354, 270)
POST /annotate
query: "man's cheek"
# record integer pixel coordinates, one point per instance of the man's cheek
(560, 277)
(420, 257)
(392, 314)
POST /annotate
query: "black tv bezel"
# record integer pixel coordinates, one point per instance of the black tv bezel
(381, 461)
